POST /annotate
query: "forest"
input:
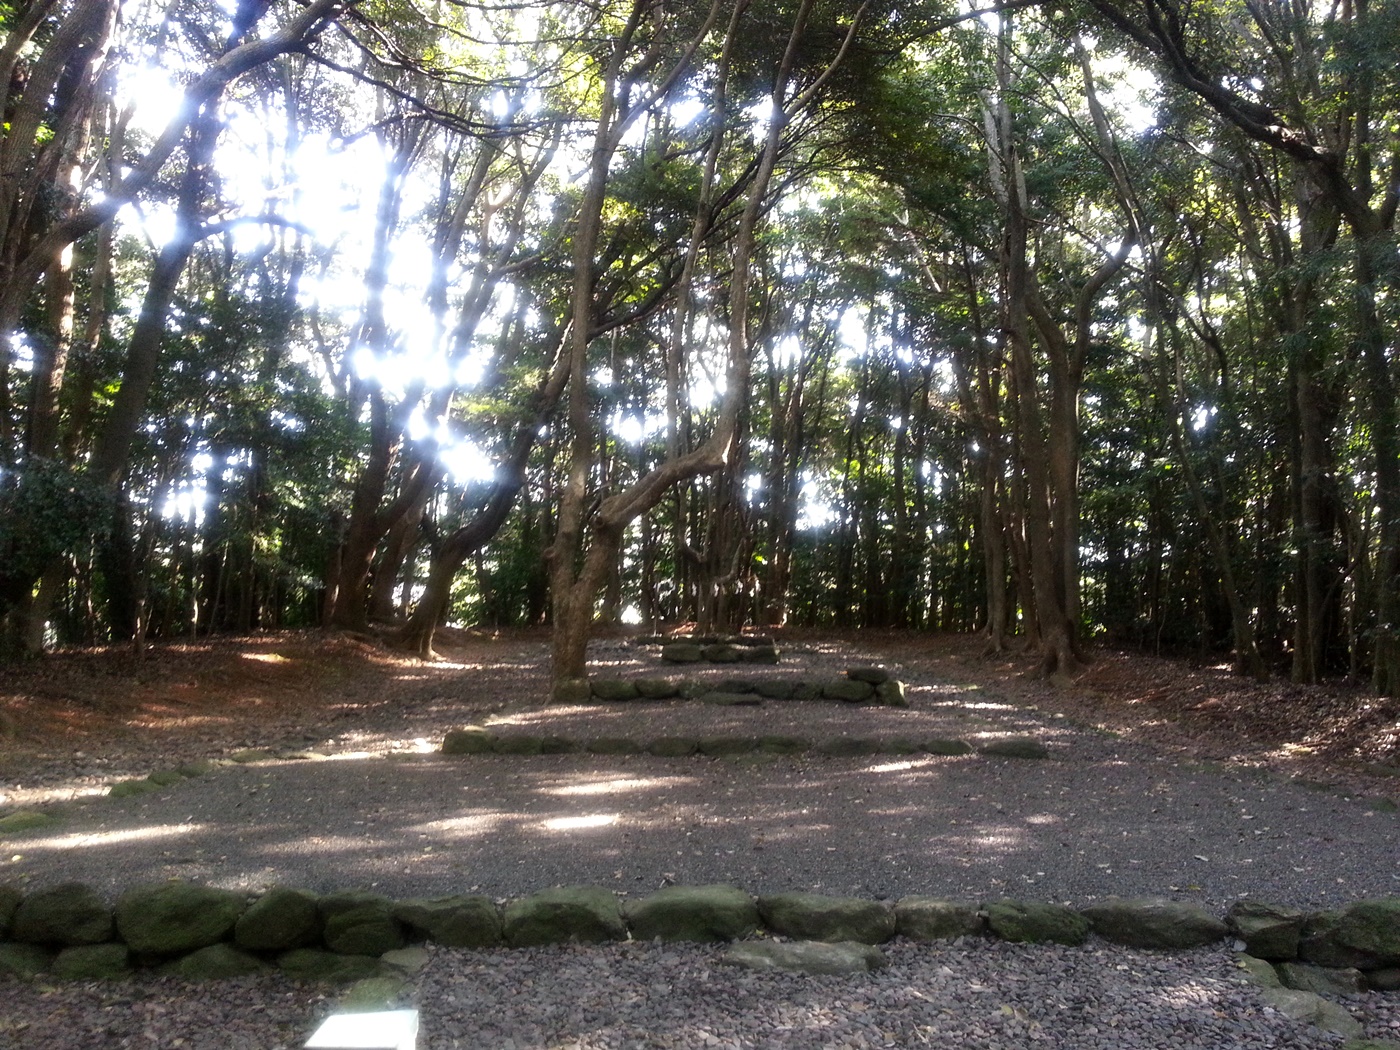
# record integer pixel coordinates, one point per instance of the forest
(1070, 323)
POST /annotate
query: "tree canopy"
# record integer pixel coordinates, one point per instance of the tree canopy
(1066, 324)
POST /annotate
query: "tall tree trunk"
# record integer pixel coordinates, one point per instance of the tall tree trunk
(1056, 630)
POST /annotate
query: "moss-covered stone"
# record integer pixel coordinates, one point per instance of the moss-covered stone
(166, 777)
(1015, 747)
(892, 694)
(723, 653)
(217, 962)
(1269, 931)
(1154, 923)
(1026, 921)
(672, 746)
(1321, 980)
(780, 744)
(1373, 928)
(468, 740)
(935, 919)
(92, 962)
(455, 922)
(1312, 1009)
(281, 919)
(569, 913)
(870, 675)
(658, 688)
(1386, 979)
(816, 917)
(23, 820)
(177, 917)
(720, 698)
(614, 690)
(760, 654)
(368, 929)
(849, 747)
(518, 744)
(373, 993)
(314, 964)
(848, 691)
(559, 745)
(682, 653)
(612, 745)
(946, 748)
(902, 745)
(249, 755)
(776, 688)
(24, 961)
(408, 960)
(1261, 972)
(739, 685)
(67, 914)
(693, 913)
(131, 788)
(726, 746)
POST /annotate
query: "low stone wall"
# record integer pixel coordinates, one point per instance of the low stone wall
(714, 648)
(719, 653)
(860, 685)
(479, 740)
(198, 932)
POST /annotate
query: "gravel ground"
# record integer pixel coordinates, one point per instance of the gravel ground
(1101, 816)
(973, 994)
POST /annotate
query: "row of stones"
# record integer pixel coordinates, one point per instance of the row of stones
(751, 640)
(719, 653)
(199, 931)
(861, 685)
(478, 740)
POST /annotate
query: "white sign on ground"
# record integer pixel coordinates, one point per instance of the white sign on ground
(383, 1030)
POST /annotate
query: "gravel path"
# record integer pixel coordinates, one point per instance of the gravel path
(1100, 817)
(975, 994)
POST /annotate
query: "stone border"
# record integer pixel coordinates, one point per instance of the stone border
(755, 640)
(68, 930)
(861, 685)
(713, 648)
(479, 740)
(202, 933)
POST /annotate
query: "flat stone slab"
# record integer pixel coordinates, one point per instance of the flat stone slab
(814, 957)
(1314, 1010)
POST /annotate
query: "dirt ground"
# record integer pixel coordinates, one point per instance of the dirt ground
(225, 693)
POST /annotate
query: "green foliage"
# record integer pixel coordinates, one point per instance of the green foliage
(46, 509)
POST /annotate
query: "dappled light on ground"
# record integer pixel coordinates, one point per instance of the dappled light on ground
(1101, 815)
(616, 785)
(591, 820)
(87, 840)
